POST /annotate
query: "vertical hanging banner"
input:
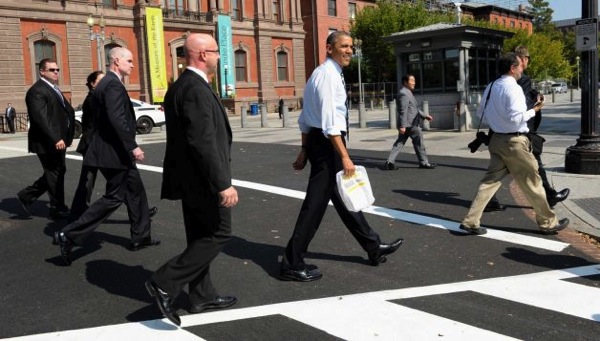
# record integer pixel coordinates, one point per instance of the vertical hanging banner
(155, 42)
(226, 69)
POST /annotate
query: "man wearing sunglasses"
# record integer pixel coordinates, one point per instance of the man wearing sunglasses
(52, 123)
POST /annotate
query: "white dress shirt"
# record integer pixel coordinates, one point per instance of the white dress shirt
(199, 72)
(506, 111)
(325, 100)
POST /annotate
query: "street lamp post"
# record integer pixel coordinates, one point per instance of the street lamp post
(98, 36)
(362, 123)
(577, 59)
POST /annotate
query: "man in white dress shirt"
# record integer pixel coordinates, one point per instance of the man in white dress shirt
(510, 149)
(324, 125)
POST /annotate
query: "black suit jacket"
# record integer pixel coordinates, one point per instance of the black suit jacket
(197, 157)
(11, 112)
(114, 137)
(88, 119)
(49, 120)
(531, 98)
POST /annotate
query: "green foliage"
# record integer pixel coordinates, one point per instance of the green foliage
(389, 16)
(547, 55)
(542, 14)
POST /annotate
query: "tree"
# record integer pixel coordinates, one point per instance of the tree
(389, 16)
(542, 14)
(548, 58)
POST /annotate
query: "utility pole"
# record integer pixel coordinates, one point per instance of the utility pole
(584, 156)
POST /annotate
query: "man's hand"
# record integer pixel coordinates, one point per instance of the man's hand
(138, 154)
(60, 145)
(348, 165)
(301, 159)
(429, 118)
(229, 197)
(402, 130)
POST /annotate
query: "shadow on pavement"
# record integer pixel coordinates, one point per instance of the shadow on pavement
(550, 261)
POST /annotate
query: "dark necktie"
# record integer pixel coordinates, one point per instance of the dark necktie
(347, 112)
(62, 100)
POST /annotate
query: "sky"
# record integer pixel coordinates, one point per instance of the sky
(565, 9)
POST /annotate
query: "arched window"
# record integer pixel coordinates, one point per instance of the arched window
(282, 66)
(181, 63)
(241, 66)
(43, 49)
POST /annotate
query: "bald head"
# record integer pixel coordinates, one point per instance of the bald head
(202, 52)
(121, 61)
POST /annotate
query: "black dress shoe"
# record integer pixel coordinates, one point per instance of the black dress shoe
(389, 166)
(164, 302)
(26, 205)
(303, 275)
(561, 225)
(428, 165)
(379, 256)
(144, 243)
(153, 211)
(494, 207)
(473, 230)
(66, 245)
(558, 197)
(220, 302)
(56, 214)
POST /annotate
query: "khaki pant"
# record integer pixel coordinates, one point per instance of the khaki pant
(512, 154)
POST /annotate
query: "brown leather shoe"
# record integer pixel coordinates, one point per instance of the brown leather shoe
(473, 230)
(562, 224)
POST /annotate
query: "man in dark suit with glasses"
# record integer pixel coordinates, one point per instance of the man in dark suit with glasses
(52, 123)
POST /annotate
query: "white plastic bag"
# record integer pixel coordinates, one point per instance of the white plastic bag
(356, 190)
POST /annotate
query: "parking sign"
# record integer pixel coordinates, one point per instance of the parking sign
(586, 34)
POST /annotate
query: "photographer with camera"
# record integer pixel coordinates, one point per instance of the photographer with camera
(537, 142)
(510, 149)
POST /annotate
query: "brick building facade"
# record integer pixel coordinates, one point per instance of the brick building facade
(276, 43)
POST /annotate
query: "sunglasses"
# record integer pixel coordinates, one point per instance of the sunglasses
(53, 70)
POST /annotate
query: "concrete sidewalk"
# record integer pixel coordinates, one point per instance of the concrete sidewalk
(560, 127)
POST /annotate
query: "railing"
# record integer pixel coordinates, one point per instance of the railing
(20, 121)
(377, 93)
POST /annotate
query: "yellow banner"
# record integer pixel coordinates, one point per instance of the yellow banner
(156, 53)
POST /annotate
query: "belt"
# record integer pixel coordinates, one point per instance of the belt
(319, 131)
(512, 134)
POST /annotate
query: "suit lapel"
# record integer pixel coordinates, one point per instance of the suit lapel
(218, 100)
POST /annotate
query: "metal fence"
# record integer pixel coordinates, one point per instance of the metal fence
(20, 123)
(376, 94)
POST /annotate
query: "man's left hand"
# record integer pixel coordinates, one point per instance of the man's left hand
(138, 154)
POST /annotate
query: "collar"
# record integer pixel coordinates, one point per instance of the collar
(118, 76)
(337, 66)
(52, 85)
(198, 72)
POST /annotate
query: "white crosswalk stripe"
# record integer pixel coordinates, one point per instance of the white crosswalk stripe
(371, 315)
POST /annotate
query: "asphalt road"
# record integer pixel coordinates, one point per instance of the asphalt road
(513, 283)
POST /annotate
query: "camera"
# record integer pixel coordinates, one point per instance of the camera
(480, 138)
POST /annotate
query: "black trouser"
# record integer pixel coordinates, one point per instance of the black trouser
(52, 181)
(11, 124)
(322, 187)
(207, 230)
(119, 183)
(83, 193)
